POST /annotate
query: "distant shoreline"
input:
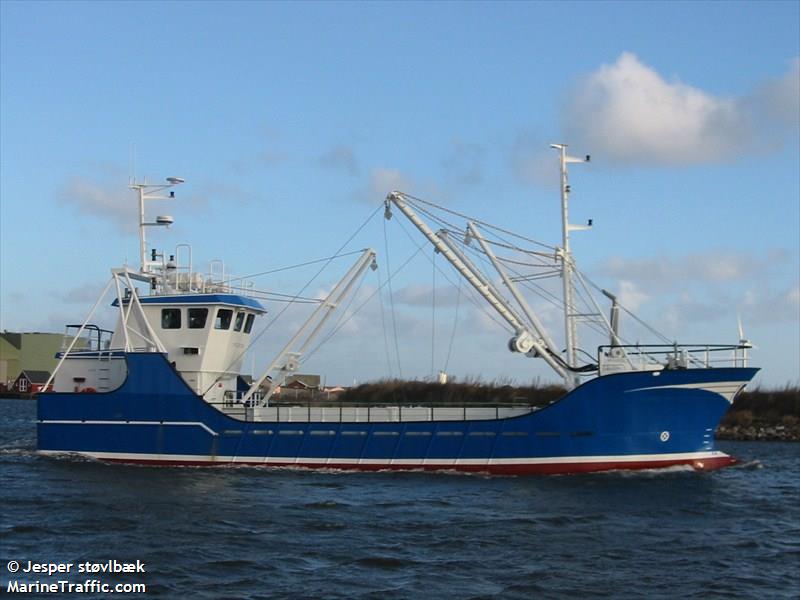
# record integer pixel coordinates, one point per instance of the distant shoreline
(758, 415)
(758, 433)
(13, 396)
(769, 415)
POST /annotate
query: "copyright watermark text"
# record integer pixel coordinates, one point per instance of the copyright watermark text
(30, 576)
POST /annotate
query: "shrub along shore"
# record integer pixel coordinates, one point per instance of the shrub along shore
(763, 415)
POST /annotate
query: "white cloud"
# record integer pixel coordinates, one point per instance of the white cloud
(110, 199)
(484, 321)
(533, 161)
(793, 297)
(422, 295)
(688, 309)
(783, 306)
(463, 163)
(630, 296)
(264, 159)
(383, 180)
(779, 99)
(104, 200)
(664, 272)
(211, 192)
(754, 306)
(628, 113)
(84, 294)
(339, 158)
(684, 295)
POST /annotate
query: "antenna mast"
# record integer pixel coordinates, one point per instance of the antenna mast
(150, 192)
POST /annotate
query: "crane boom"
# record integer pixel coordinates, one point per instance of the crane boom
(526, 340)
(472, 228)
(287, 360)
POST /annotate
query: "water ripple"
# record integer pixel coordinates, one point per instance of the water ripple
(250, 532)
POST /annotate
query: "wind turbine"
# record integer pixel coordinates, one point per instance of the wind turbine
(744, 343)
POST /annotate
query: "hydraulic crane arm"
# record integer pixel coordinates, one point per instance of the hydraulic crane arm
(287, 359)
(527, 339)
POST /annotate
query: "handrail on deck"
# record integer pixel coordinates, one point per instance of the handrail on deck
(334, 413)
(678, 355)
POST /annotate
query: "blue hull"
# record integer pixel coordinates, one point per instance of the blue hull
(621, 421)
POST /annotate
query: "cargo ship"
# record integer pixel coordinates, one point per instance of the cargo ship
(165, 386)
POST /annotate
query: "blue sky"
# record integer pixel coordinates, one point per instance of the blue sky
(291, 121)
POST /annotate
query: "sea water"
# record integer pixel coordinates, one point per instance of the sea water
(280, 533)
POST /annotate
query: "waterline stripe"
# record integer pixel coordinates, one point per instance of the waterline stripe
(451, 462)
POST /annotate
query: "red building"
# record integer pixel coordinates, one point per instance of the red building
(31, 382)
(299, 381)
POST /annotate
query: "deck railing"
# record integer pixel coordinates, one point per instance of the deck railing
(325, 412)
(645, 357)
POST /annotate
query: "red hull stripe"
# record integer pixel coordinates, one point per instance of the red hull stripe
(700, 464)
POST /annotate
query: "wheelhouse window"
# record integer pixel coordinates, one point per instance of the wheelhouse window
(248, 326)
(223, 320)
(170, 318)
(197, 318)
(237, 326)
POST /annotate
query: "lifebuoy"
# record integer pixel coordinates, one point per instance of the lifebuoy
(88, 390)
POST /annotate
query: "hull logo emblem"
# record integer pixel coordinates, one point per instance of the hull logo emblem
(664, 436)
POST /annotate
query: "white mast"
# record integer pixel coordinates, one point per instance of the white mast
(570, 315)
(149, 192)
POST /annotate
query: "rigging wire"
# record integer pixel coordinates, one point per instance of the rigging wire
(290, 303)
(341, 315)
(456, 229)
(452, 228)
(455, 325)
(391, 303)
(537, 289)
(647, 326)
(596, 320)
(383, 323)
(482, 223)
(478, 303)
(433, 311)
(265, 296)
(484, 266)
(317, 274)
(505, 259)
(360, 306)
(479, 254)
(387, 283)
(303, 264)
